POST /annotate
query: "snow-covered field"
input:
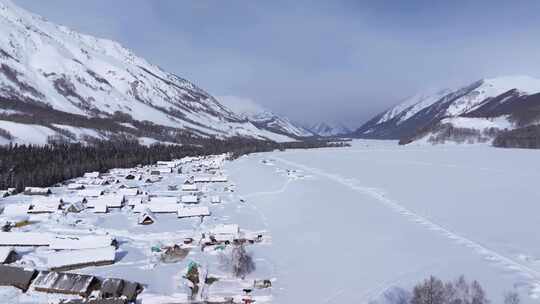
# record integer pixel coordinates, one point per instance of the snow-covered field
(350, 224)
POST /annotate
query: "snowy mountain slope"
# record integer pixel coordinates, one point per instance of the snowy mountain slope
(50, 65)
(504, 98)
(262, 117)
(329, 129)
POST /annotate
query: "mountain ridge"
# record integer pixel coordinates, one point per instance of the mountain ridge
(264, 118)
(52, 66)
(424, 114)
(325, 129)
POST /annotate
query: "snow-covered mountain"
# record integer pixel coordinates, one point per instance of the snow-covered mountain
(47, 71)
(263, 118)
(329, 129)
(476, 112)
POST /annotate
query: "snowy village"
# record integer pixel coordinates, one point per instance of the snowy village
(258, 152)
(170, 228)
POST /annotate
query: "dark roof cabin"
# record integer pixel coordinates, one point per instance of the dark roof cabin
(65, 283)
(16, 277)
(118, 288)
(95, 301)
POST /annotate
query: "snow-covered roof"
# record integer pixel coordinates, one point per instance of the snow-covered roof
(163, 200)
(190, 211)
(162, 169)
(100, 208)
(129, 184)
(170, 164)
(94, 174)
(190, 199)
(163, 208)
(77, 242)
(92, 192)
(152, 179)
(24, 239)
(75, 186)
(232, 229)
(70, 259)
(219, 179)
(132, 201)
(202, 179)
(189, 187)
(111, 201)
(146, 216)
(129, 191)
(37, 190)
(44, 207)
(215, 199)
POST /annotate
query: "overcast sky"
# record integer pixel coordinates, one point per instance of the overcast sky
(317, 60)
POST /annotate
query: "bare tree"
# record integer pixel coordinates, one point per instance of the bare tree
(242, 263)
(431, 291)
(462, 291)
(239, 262)
(478, 295)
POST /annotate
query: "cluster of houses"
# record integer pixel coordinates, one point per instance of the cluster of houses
(129, 191)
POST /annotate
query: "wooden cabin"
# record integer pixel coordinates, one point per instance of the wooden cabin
(146, 217)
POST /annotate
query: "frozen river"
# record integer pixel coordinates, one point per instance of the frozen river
(353, 223)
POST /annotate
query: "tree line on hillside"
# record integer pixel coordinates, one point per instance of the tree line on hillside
(526, 137)
(40, 166)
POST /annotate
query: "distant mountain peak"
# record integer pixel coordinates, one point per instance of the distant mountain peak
(486, 98)
(264, 118)
(326, 129)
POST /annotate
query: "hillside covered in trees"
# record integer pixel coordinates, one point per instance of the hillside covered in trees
(526, 137)
(40, 166)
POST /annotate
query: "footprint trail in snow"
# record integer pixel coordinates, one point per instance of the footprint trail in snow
(532, 275)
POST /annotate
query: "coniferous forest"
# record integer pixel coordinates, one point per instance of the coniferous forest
(39, 166)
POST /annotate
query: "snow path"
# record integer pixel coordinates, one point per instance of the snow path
(262, 193)
(532, 275)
